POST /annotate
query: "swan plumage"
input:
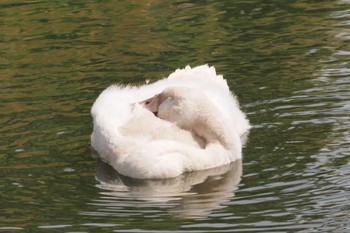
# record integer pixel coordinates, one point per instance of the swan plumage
(139, 144)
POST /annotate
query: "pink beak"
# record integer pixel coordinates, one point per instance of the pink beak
(152, 104)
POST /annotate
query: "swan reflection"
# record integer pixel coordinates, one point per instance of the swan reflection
(190, 195)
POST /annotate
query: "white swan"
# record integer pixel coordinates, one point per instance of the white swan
(191, 122)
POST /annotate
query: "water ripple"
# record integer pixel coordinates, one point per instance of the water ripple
(287, 61)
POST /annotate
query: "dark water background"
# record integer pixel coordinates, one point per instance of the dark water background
(287, 61)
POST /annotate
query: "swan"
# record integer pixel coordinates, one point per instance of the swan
(186, 122)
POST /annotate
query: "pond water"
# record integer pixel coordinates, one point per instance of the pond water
(287, 61)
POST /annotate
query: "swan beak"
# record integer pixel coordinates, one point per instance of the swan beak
(151, 104)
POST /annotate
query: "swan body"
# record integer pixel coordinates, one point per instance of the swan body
(194, 123)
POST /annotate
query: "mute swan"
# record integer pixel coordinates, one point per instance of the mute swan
(189, 121)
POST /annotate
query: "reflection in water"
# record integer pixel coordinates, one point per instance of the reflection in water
(193, 194)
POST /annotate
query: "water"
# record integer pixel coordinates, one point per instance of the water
(287, 61)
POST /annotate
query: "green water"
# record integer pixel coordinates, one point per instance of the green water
(287, 61)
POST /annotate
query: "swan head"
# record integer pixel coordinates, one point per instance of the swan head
(181, 105)
(192, 110)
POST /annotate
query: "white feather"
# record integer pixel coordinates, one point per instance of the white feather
(140, 145)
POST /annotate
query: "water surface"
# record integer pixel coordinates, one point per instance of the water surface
(287, 61)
